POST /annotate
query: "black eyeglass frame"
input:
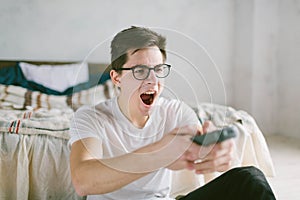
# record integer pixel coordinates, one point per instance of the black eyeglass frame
(149, 69)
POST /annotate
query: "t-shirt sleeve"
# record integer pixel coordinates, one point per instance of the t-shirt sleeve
(84, 124)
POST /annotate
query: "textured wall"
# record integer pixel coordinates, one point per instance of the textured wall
(255, 45)
(255, 61)
(69, 30)
(266, 63)
(289, 68)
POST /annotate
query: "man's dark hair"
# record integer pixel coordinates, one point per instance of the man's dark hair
(134, 38)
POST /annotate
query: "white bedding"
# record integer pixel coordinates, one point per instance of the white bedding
(35, 156)
(18, 97)
(56, 77)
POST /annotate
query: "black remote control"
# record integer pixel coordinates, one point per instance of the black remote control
(215, 136)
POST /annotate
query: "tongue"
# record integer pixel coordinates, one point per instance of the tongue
(146, 98)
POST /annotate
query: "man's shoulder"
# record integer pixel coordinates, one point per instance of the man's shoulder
(170, 103)
(103, 107)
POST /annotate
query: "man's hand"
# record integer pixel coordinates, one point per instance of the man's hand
(178, 149)
(216, 157)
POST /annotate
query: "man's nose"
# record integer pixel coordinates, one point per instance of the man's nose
(152, 79)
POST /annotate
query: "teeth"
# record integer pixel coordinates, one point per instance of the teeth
(149, 92)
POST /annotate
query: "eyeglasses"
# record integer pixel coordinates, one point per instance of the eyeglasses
(141, 72)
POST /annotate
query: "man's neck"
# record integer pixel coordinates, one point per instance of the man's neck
(135, 117)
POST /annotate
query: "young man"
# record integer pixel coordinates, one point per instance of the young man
(127, 147)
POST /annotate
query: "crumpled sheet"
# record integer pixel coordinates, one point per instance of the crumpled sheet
(250, 144)
(17, 97)
(34, 167)
(34, 155)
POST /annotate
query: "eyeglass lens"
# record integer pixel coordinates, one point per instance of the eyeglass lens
(142, 72)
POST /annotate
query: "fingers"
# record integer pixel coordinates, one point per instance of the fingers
(199, 129)
(207, 166)
(216, 150)
(192, 152)
(217, 159)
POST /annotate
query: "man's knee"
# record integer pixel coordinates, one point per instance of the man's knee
(252, 179)
(247, 177)
(249, 171)
(238, 183)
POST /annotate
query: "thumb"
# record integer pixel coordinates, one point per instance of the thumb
(208, 126)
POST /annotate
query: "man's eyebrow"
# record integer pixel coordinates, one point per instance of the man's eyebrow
(135, 51)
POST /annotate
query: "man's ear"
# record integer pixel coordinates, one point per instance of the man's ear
(115, 77)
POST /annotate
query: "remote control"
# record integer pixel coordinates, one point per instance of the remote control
(215, 136)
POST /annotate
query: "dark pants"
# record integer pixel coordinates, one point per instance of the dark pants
(237, 184)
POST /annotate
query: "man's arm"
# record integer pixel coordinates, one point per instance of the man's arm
(90, 175)
(93, 175)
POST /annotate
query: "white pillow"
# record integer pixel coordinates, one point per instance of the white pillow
(56, 77)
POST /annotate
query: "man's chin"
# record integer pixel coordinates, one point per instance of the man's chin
(146, 109)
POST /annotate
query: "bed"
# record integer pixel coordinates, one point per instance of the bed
(34, 125)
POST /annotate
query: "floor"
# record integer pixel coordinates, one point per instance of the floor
(286, 157)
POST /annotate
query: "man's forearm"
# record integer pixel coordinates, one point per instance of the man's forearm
(98, 176)
(94, 177)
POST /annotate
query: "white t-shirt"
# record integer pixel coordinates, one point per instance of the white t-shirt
(119, 136)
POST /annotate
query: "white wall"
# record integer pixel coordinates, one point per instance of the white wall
(266, 63)
(255, 44)
(255, 61)
(289, 68)
(68, 30)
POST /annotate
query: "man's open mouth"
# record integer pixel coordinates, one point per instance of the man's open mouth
(148, 97)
